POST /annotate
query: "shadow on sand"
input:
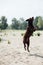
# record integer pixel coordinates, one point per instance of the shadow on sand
(36, 55)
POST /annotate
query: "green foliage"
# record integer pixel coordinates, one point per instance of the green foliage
(18, 24)
(3, 24)
(38, 22)
(35, 21)
(21, 23)
(15, 23)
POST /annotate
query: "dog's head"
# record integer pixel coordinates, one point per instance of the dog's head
(30, 21)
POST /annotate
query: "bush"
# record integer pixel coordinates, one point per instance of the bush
(22, 34)
(38, 34)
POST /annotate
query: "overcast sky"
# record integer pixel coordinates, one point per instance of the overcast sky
(21, 8)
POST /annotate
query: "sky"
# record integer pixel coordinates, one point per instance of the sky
(21, 8)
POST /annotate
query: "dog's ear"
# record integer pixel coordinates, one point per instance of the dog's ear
(27, 19)
(32, 18)
(30, 21)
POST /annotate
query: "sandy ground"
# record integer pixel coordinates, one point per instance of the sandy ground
(14, 53)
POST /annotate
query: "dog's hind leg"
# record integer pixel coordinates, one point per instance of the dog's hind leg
(25, 46)
(28, 44)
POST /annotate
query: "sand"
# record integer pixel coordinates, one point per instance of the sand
(13, 53)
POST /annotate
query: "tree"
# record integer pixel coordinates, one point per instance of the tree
(23, 25)
(38, 22)
(18, 24)
(3, 24)
(15, 23)
(35, 22)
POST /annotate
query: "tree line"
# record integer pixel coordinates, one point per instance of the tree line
(20, 24)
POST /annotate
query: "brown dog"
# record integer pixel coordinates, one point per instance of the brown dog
(28, 33)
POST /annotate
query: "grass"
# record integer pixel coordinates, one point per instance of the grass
(0, 39)
(9, 42)
(0, 35)
(38, 34)
(13, 34)
(5, 34)
(22, 34)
